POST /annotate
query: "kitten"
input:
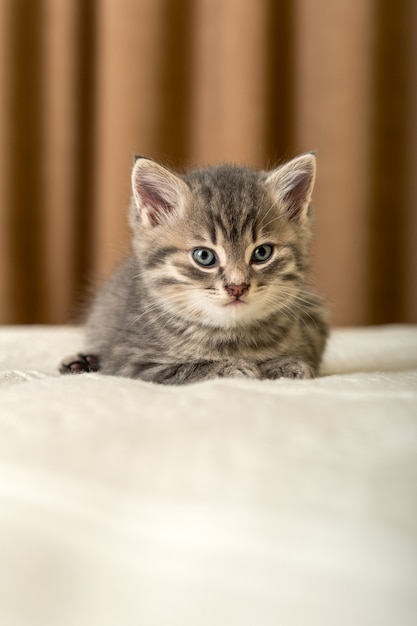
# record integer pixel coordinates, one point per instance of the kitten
(215, 284)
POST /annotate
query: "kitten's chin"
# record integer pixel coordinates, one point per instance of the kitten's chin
(230, 314)
(236, 303)
(219, 313)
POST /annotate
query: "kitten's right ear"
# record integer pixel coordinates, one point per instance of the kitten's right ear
(158, 194)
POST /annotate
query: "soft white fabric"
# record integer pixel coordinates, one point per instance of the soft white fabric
(233, 502)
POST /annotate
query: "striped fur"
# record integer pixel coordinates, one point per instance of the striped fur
(162, 317)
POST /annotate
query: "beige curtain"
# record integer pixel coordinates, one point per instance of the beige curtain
(85, 84)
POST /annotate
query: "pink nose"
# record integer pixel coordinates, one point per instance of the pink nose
(236, 290)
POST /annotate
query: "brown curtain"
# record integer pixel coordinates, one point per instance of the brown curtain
(85, 84)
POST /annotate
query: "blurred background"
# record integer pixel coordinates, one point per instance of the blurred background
(86, 84)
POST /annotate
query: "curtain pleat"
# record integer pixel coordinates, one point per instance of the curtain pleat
(61, 115)
(229, 81)
(334, 43)
(411, 228)
(85, 85)
(390, 172)
(23, 162)
(6, 301)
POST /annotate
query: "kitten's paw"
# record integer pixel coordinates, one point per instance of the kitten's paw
(286, 367)
(79, 364)
(240, 368)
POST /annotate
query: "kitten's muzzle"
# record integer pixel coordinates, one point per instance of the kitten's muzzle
(236, 291)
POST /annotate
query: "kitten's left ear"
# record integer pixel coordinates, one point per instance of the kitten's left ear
(292, 184)
(158, 194)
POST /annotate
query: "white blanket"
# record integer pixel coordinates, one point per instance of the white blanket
(232, 502)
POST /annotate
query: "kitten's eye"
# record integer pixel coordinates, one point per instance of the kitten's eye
(204, 257)
(262, 253)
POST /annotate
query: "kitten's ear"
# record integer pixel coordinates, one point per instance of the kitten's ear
(292, 184)
(158, 194)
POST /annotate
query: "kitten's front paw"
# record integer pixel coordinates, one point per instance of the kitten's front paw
(240, 368)
(80, 363)
(286, 367)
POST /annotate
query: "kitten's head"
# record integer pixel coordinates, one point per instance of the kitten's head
(224, 245)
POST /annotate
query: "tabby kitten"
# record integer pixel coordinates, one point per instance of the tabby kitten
(215, 284)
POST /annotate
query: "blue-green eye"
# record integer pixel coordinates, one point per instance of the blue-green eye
(262, 253)
(204, 257)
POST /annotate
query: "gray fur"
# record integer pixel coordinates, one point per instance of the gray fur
(163, 318)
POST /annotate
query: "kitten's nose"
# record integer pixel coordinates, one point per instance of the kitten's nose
(237, 290)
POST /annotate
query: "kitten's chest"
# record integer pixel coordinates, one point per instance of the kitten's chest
(202, 343)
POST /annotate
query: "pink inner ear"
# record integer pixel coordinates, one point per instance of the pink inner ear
(157, 192)
(297, 196)
(153, 202)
